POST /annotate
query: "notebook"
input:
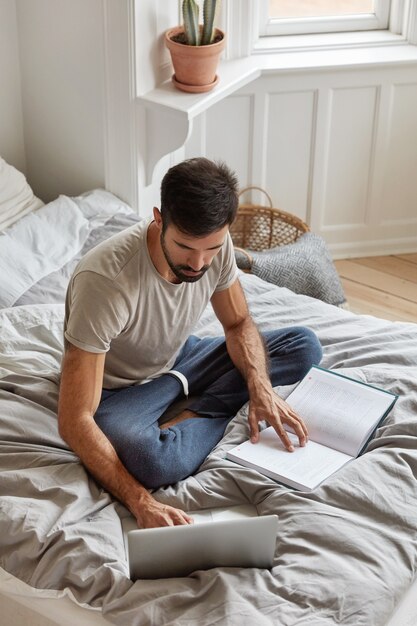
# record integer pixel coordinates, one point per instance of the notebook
(227, 537)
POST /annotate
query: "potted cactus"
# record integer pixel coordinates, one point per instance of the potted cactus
(195, 48)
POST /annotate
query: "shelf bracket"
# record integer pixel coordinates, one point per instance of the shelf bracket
(166, 130)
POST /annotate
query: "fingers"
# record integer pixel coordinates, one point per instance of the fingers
(183, 519)
(253, 427)
(279, 412)
(297, 425)
(293, 420)
(283, 435)
(176, 517)
(159, 515)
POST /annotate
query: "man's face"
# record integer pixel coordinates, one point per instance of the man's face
(190, 257)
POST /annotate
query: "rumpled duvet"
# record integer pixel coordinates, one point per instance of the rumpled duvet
(345, 553)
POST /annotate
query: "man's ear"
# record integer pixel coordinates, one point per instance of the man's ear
(157, 217)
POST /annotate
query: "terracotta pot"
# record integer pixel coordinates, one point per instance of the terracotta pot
(195, 66)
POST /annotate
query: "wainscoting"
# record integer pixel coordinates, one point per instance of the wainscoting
(336, 147)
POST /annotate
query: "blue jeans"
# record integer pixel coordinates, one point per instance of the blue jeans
(161, 456)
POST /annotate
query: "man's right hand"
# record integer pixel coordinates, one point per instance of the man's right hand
(153, 514)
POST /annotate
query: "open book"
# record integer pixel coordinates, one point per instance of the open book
(341, 415)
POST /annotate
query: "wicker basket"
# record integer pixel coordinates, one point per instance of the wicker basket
(259, 227)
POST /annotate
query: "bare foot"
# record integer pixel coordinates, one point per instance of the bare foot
(184, 415)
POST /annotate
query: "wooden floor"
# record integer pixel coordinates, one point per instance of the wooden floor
(384, 286)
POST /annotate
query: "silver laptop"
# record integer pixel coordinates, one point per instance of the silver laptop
(232, 537)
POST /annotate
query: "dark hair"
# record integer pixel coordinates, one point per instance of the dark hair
(199, 196)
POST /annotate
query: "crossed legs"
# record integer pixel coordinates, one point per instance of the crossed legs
(159, 456)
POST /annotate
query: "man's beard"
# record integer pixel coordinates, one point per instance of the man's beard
(178, 270)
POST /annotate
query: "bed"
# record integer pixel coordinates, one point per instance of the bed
(345, 553)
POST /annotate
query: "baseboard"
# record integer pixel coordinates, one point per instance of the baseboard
(380, 247)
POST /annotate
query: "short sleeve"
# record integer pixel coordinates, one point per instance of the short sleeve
(96, 311)
(229, 269)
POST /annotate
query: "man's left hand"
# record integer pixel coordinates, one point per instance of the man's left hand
(270, 407)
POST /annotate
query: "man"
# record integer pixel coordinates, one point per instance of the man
(131, 307)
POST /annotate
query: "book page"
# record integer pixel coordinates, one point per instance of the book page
(305, 468)
(339, 412)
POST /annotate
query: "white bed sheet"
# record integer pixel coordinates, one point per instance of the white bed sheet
(61, 535)
(359, 525)
(21, 605)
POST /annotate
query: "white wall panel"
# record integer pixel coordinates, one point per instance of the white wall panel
(350, 156)
(11, 119)
(337, 148)
(399, 198)
(289, 139)
(229, 132)
(153, 64)
(62, 65)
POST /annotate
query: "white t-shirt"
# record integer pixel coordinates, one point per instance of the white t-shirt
(117, 302)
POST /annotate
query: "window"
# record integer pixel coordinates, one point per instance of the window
(287, 17)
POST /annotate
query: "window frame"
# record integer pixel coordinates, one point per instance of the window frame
(241, 20)
(324, 24)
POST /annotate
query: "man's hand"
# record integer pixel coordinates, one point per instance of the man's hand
(153, 514)
(270, 407)
(247, 352)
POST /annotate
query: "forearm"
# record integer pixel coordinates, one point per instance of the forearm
(80, 391)
(79, 397)
(247, 351)
(98, 455)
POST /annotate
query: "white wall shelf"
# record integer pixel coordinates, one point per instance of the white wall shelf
(169, 113)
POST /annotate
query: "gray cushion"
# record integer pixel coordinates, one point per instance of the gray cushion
(304, 266)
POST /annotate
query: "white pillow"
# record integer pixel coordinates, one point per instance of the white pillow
(39, 244)
(16, 196)
(45, 240)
